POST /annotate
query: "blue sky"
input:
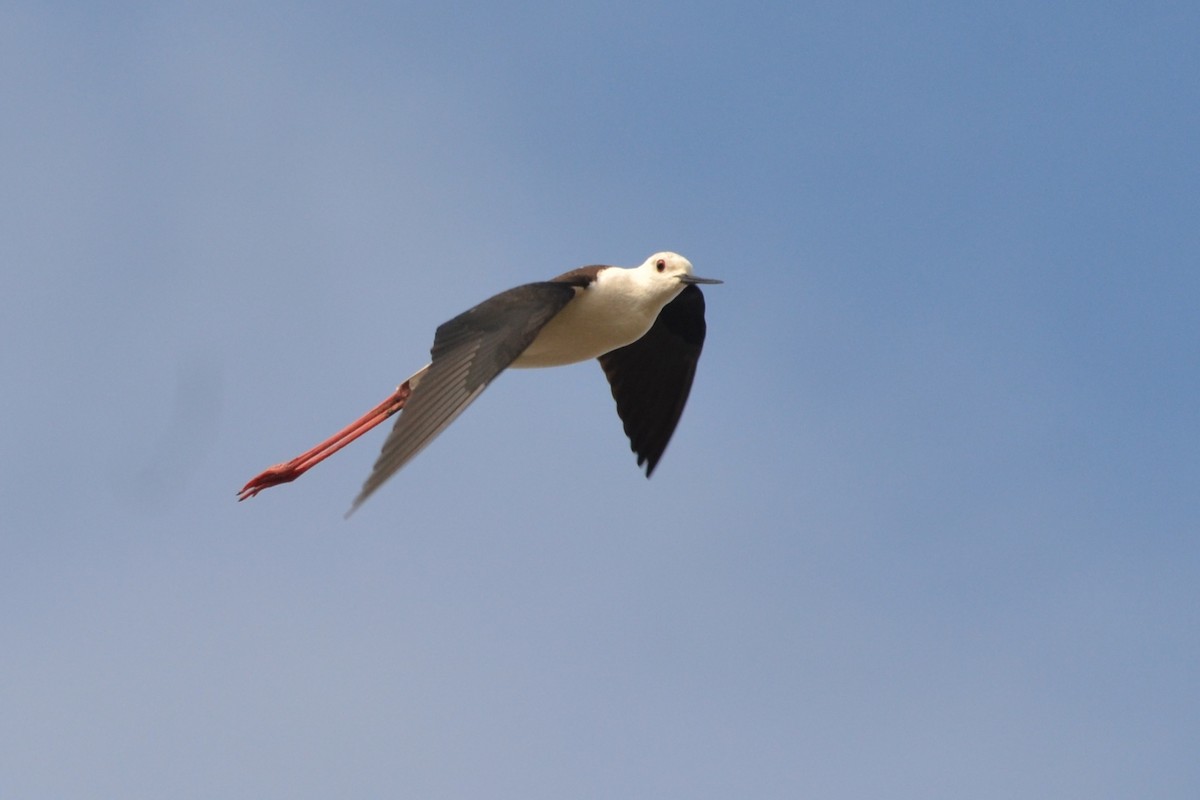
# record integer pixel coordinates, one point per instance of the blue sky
(928, 527)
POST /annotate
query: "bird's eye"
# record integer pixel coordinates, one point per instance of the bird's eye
(661, 264)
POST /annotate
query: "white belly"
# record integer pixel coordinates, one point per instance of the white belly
(594, 323)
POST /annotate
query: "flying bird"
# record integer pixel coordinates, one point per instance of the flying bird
(645, 324)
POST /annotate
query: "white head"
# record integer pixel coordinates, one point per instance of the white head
(670, 272)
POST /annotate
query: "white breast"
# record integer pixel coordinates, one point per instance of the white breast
(608, 314)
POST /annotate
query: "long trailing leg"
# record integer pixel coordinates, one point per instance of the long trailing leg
(290, 470)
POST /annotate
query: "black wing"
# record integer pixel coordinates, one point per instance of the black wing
(468, 353)
(651, 378)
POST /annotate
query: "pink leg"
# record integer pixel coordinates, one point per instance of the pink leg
(290, 470)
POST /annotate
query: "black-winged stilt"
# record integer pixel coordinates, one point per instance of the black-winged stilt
(645, 325)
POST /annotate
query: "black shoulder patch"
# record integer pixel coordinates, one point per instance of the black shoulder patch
(581, 277)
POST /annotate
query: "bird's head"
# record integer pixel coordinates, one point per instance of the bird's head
(670, 271)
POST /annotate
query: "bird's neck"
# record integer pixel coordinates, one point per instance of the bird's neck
(634, 290)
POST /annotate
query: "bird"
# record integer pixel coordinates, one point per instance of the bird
(644, 324)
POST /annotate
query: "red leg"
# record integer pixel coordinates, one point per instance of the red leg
(290, 470)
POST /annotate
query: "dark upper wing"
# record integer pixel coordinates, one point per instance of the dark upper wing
(652, 377)
(468, 352)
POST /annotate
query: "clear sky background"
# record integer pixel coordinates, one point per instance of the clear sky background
(928, 528)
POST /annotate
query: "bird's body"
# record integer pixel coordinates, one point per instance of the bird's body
(645, 325)
(616, 307)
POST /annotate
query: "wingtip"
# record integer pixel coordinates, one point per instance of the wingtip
(650, 463)
(358, 501)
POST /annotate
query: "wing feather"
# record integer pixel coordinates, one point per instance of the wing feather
(652, 377)
(468, 353)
